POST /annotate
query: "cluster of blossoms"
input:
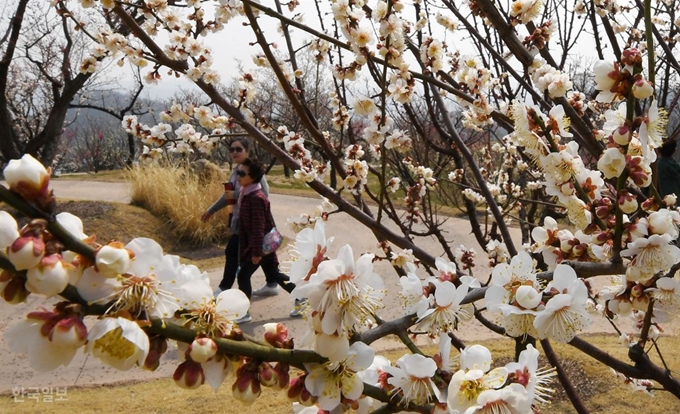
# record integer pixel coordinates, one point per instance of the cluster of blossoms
(309, 220)
(343, 296)
(131, 287)
(157, 139)
(182, 38)
(602, 204)
(612, 218)
(294, 144)
(557, 311)
(356, 168)
(437, 300)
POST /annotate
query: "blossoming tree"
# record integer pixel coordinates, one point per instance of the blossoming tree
(429, 71)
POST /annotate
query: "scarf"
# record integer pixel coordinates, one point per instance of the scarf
(247, 190)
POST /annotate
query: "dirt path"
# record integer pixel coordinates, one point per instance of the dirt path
(87, 371)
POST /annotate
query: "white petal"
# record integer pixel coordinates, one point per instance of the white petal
(9, 230)
(233, 303)
(148, 256)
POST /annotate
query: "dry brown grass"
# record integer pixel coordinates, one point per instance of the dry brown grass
(180, 195)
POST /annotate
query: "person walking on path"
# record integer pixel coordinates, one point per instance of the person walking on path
(669, 170)
(238, 150)
(256, 220)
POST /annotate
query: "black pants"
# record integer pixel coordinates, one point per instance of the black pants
(270, 267)
(231, 265)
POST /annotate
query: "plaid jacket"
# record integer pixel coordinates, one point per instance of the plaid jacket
(255, 221)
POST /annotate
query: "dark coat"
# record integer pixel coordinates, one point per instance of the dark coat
(669, 176)
(255, 221)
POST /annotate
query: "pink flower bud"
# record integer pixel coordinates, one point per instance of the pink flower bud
(202, 349)
(602, 211)
(276, 334)
(636, 291)
(246, 388)
(628, 203)
(299, 393)
(50, 277)
(580, 249)
(113, 259)
(69, 332)
(670, 200)
(649, 205)
(640, 303)
(621, 135)
(63, 327)
(266, 374)
(565, 245)
(14, 290)
(158, 345)
(189, 375)
(27, 177)
(631, 56)
(26, 252)
(642, 89)
(282, 371)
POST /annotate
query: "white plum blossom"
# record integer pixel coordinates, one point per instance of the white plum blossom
(344, 293)
(565, 313)
(412, 379)
(311, 246)
(653, 129)
(612, 163)
(154, 285)
(536, 381)
(217, 318)
(112, 260)
(667, 297)
(651, 255)
(603, 81)
(47, 349)
(447, 312)
(402, 258)
(118, 342)
(474, 378)
(507, 277)
(664, 221)
(333, 380)
(412, 294)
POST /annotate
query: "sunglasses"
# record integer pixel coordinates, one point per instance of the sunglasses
(235, 149)
(241, 173)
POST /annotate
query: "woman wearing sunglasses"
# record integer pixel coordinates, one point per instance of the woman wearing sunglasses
(238, 150)
(255, 221)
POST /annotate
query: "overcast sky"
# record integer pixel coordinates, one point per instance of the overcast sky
(231, 45)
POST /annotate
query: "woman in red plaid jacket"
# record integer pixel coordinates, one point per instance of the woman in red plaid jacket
(255, 221)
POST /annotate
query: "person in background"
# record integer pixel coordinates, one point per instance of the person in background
(238, 150)
(255, 221)
(668, 169)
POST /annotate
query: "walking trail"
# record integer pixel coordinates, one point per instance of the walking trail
(86, 371)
